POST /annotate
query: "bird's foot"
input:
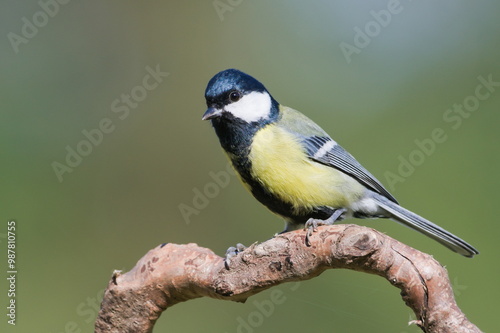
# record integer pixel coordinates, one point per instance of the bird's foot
(233, 251)
(312, 224)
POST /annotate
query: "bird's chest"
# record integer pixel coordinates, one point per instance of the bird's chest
(279, 162)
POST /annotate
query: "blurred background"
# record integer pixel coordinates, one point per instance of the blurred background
(104, 154)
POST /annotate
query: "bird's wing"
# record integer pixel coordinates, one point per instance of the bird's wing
(322, 149)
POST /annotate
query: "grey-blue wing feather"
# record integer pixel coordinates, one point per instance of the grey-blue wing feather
(314, 138)
(341, 160)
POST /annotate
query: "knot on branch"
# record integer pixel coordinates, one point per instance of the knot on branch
(357, 244)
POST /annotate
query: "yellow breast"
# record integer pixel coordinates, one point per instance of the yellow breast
(280, 163)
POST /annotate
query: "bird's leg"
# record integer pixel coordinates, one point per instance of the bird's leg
(312, 224)
(232, 252)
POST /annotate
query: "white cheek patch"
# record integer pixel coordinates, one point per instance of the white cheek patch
(251, 107)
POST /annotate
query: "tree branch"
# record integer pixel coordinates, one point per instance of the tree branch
(170, 274)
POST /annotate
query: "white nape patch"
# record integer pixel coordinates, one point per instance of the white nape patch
(327, 146)
(251, 107)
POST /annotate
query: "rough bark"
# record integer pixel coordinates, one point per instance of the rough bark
(171, 273)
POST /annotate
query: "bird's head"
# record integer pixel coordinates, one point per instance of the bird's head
(232, 94)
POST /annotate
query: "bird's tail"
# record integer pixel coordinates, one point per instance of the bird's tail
(416, 222)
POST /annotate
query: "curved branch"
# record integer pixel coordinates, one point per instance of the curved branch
(171, 273)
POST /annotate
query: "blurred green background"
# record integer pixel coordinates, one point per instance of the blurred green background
(77, 63)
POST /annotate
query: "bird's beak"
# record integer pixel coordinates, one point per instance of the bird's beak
(211, 113)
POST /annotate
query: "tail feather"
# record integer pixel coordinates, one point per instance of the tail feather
(418, 223)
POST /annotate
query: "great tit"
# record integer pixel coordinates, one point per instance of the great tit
(294, 168)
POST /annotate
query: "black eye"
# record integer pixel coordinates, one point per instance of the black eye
(234, 96)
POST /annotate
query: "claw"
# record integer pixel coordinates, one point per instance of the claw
(312, 224)
(231, 252)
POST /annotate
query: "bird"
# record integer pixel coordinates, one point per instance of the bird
(295, 169)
